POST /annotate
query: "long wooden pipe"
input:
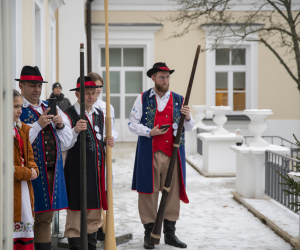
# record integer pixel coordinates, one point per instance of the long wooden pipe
(110, 240)
(156, 232)
(83, 188)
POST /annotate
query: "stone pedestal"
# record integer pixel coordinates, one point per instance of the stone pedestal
(257, 126)
(220, 119)
(218, 159)
(250, 169)
(191, 140)
(199, 115)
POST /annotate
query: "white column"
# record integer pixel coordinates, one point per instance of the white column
(6, 118)
(71, 33)
(245, 174)
(259, 191)
(250, 177)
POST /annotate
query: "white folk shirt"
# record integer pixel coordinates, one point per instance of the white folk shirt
(102, 106)
(89, 115)
(65, 134)
(135, 125)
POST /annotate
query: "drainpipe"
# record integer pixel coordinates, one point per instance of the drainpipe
(89, 35)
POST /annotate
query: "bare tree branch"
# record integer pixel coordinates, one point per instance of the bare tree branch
(280, 59)
(296, 17)
(279, 11)
(279, 30)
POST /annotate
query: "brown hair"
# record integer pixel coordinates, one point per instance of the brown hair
(16, 93)
(95, 77)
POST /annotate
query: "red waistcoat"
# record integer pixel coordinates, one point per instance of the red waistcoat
(165, 142)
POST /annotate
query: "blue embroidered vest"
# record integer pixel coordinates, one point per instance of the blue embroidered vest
(42, 198)
(142, 180)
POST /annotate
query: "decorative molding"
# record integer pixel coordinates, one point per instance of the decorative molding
(129, 24)
(39, 3)
(170, 5)
(135, 5)
(138, 31)
(54, 5)
(39, 52)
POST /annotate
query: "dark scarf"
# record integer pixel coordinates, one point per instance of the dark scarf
(58, 97)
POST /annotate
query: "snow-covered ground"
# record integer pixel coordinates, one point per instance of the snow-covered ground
(212, 219)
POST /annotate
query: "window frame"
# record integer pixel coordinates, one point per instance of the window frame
(230, 69)
(122, 69)
(131, 35)
(252, 77)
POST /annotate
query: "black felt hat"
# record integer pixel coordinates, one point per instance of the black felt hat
(56, 85)
(31, 74)
(159, 67)
(88, 83)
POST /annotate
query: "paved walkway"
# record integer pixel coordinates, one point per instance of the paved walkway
(212, 219)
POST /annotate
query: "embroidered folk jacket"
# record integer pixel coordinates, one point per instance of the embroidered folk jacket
(143, 178)
(43, 201)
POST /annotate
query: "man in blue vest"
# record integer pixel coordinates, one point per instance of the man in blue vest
(47, 134)
(153, 108)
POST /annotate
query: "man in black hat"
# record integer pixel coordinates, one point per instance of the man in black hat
(154, 118)
(47, 135)
(95, 153)
(62, 102)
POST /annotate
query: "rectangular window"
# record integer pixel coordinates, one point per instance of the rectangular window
(221, 89)
(231, 78)
(127, 73)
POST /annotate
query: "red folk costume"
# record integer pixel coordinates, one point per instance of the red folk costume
(23, 191)
(153, 155)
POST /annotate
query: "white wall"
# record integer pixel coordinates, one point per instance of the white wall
(71, 33)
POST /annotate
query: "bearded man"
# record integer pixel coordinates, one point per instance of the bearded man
(153, 108)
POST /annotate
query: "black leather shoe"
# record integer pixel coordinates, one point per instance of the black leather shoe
(148, 229)
(42, 246)
(74, 243)
(100, 234)
(92, 241)
(170, 237)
